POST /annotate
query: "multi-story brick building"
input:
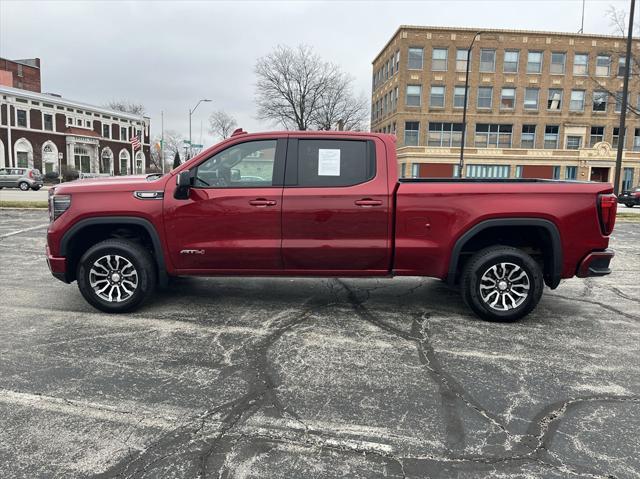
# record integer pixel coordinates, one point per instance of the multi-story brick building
(52, 133)
(24, 74)
(540, 104)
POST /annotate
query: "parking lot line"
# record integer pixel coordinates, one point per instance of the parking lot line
(25, 230)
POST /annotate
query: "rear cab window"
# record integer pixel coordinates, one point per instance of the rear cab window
(329, 163)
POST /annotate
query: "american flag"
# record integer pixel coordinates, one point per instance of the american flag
(135, 141)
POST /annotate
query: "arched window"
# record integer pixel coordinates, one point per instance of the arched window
(49, 157)
(124, 162)
(23, 153)
(139, 163)
(106, 161)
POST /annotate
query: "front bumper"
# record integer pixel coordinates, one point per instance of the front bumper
(57, 266)
(596, 263)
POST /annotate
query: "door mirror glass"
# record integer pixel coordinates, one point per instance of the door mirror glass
(183, 182)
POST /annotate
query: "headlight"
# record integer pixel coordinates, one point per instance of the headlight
(58, 204)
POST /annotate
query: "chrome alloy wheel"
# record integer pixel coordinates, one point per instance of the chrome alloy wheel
(504, 286)
(113, 278)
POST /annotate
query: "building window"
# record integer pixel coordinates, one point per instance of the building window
(570, 172)
(615, 138)
(415, 59)
(636, 139)
(555, 173)
(574, 142)
(485, 94)
(518, 173)
(597, 135)
(439, 58)
(47, 121)
(534, 62)
(619, 102)
(600, 100)
(397, 60)
(558, 60)
(123, 133)
(458, 97)
(69, 120)
(411, 132)
(444, 134)
(531, 98)
(627, 179)
(622, 66)
(413, 95)
(603, 65)
(79, 121)
(554, 101)
(21, 118)
(82, 160)
(551, 136)
(528, 137)
(507, 98)
(511, 58)
(461, 59)
(124, 162)
(106, 129)
(493, 135)
(436, 99)
(577, 100)
(488, 171)
(581, 64)
(487, 60)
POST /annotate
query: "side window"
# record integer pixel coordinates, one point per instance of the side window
(335, 162)
(244, 165)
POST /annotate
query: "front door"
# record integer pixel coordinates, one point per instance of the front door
(232, 218)
(600, 174)
(335, 208)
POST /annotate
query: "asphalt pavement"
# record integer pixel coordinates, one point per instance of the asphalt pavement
(322, 378)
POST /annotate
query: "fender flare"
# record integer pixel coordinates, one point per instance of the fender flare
(549, 226)
(163, 278)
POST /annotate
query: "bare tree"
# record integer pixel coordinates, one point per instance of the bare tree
(221, 124)
(126, 106)
(338, 105)
(290, 85)
(173, 142)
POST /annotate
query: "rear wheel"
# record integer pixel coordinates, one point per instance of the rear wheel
(629, 205)
(23, 185)
(116, 276)
(35, 188)
(502, 283)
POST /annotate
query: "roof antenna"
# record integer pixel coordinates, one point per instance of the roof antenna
(582, 22)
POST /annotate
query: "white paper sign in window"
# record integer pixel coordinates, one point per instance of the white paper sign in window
(328, 162)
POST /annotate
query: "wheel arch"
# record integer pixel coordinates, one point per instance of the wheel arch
(553, 258)
(82, 226)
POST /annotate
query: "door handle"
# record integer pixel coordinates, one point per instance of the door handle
(262, 202)
(368, 202)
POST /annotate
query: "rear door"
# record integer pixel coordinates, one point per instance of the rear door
(336, 207)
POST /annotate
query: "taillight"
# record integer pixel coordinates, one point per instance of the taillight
(607, 208)
(58, 204)
(30, 173)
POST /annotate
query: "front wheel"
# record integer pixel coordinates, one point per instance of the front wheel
(116, 276)
(502, 283)
(24, 186)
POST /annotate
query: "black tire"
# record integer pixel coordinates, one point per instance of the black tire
(140, 260)
(629, 205)
(510, 262)
(23, 185)
(35, 188)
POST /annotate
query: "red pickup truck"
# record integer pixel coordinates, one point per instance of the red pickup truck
(326, 204)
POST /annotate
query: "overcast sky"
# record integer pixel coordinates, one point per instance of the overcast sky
(169, 54)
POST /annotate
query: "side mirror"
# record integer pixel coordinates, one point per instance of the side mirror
(183, 182)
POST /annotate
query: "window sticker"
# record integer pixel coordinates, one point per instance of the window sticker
(328, 162)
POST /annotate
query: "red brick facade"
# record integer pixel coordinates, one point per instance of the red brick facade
(20, 74)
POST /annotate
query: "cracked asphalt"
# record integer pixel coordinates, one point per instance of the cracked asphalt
(322, 378)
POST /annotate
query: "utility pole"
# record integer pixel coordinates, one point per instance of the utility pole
(162, 140)
(464, 108)
(625, 92)
(190, 114)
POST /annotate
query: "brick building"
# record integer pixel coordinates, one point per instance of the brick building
(51, 133)
(23, 74)
(540, 104)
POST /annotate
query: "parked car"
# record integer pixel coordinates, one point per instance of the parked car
(326, 204)
(630, 198)
(23, 178)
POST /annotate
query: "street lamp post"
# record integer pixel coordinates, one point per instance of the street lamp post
(190, 114)
(464, 107)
